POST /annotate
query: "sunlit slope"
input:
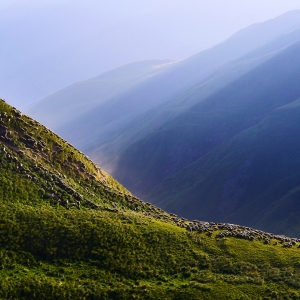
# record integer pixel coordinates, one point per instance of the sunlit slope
(70, 231)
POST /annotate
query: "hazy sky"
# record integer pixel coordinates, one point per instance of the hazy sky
(48, 44)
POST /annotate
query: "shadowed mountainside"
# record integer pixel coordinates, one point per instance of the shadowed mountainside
(252, 179)
(107, 144)
(218, 117)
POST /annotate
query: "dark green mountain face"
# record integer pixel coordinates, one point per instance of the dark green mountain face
(70, 231)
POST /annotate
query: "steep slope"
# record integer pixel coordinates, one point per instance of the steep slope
(164, 86)
(252, 179)
(70, 231)
(67, 104)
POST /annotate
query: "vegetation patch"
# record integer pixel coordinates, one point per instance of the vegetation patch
(70, 231)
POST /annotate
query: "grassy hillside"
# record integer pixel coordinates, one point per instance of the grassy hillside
(70, 231)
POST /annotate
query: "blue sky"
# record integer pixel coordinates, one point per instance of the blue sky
(48, 44)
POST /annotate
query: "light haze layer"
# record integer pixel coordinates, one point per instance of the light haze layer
(50, 44)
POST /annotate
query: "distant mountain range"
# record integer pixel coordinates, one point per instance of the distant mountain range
(249, 138)
(66, 105)
(181, 138)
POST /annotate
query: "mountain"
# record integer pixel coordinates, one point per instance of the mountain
(67, 104)
(111, 116)
(192, 135)
(149, 145)
(252, 179)
(144, 164)
(70, 231)
(171, 131)
(106, 145)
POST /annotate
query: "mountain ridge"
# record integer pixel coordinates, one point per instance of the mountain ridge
(51, 109)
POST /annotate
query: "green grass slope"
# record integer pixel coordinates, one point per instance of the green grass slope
(70, 231)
